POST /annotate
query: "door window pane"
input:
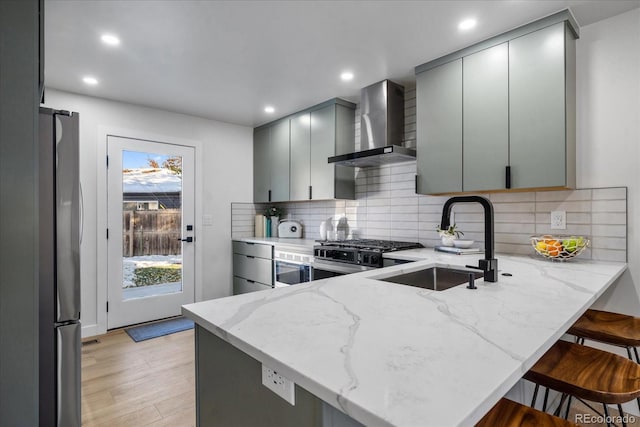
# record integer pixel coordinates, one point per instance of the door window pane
(151, 224)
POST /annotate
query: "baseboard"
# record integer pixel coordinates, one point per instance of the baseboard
(90, 331)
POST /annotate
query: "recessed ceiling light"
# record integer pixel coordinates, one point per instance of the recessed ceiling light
(269, 109)
(110, 39)
(346, 76)
(90, 80)
(467, 24)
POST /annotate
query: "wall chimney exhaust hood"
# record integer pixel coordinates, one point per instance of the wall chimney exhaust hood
(381, 128)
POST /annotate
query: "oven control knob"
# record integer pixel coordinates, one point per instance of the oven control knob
(374, 259)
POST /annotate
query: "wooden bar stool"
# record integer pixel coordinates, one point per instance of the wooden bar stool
(508, 413)
(610, 328)
(586, 373)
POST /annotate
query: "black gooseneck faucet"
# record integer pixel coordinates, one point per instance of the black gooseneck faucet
(489, 264)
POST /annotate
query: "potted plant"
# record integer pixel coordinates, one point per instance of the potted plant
(449, 235)
(274, 213)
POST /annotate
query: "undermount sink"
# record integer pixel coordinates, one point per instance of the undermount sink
(435, 278)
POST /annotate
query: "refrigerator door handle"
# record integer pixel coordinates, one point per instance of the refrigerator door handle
(68, 376)
(67, 205)
(81, 213)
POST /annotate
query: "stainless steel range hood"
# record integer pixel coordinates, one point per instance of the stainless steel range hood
(381, 128)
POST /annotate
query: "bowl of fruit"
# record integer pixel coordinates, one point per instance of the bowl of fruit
(559, 247)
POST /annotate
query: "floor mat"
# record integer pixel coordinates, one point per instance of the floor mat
(158, 329)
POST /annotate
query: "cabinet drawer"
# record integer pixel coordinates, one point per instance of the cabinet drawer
(253, 249)
(249, 267)
(243, 286)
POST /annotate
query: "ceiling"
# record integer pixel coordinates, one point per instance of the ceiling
(227, 60)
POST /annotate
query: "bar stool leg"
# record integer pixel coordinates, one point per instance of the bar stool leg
(566, 413)
(606, 415)
(637, 361)
(624, 424)
(535, 396)
(544, 402)
(559, 408)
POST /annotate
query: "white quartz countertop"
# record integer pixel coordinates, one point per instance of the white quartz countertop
(389, 354)
(278, 242)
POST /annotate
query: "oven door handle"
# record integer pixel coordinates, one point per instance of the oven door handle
(288, 261)
(344, 269)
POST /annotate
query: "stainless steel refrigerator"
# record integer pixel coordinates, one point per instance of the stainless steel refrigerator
(60, 234)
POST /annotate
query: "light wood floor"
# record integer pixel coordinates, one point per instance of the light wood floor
(150, 383)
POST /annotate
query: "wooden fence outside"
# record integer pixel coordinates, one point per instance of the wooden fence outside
(151, 232)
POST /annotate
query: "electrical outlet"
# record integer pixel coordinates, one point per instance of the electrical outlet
(558, 220)
(280, 385)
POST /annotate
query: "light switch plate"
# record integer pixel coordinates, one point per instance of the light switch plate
(558, 220)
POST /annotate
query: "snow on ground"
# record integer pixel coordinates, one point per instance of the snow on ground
(129, 264)
(151, 180)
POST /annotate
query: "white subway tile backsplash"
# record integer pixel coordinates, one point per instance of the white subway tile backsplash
(608, 255)
(559, 196)
(514, 207)
(568, 206)
(513, 217)
(616, 193)
(609, 205)
(505, 227)
(609, 230)
(599, 242)
(615, 218)
(512, 197)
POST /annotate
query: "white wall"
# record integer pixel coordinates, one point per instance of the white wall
(225, 153)
(608, 131)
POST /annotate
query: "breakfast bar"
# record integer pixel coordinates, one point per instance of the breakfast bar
(361, 350)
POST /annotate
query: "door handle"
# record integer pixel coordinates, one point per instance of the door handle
(188, 239)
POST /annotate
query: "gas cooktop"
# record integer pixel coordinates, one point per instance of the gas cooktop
(364, 252)
(383, 245)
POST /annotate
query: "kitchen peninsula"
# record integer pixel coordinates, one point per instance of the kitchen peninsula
(382, 353)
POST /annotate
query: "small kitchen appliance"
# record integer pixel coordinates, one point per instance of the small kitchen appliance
(290, 230)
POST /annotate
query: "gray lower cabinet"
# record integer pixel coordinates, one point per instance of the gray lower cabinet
(311, 137)
(229, 392)
(499, 115)
(271, 163)
(252, 267)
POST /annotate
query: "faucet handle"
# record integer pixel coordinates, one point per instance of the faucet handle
(474, 266)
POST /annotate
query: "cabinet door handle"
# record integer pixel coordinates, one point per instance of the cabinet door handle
(250, 256)
(269, 195)
(507, 176)
(250, 281)
(310, 192)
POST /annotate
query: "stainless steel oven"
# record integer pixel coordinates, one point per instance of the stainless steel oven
(327, 269)
(292, 267)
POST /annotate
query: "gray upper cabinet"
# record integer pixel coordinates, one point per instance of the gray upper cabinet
(280, 162)
(332, 134)
(538, 85)
(485, 127)
(500, 114)
(271, 163)
(300, 178)
(297, 151)
(261, 164)
(439, 138)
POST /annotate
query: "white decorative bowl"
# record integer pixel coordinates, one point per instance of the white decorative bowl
(463, 244)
